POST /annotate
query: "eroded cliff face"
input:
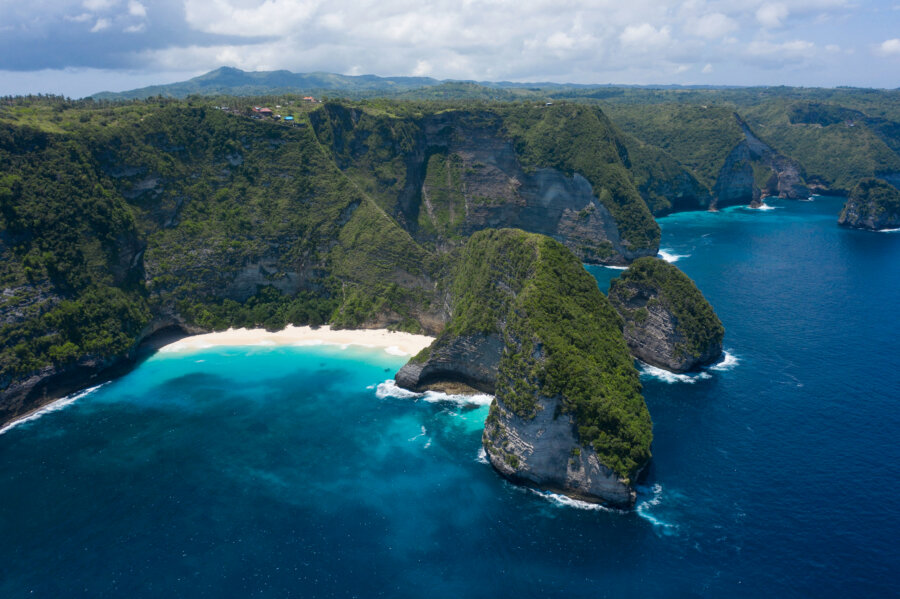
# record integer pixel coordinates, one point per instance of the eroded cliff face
(667, 321)
(544, 452)
(528, 324)
(873, 204)
(753, 170)
(470, 360)
(458, 172)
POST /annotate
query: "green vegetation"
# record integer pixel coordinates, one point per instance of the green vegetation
(563, 339)
(873, 199)
(110, 215)
(577, 139)
(698, 137)
(698, 324)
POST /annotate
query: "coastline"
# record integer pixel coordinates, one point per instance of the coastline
(393, 342)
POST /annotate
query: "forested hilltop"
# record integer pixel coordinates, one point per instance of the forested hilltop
(823, 140)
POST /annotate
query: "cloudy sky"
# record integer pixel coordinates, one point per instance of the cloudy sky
(77, 47)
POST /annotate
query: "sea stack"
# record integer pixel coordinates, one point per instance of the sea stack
(529, 324)
(667, 321)
(873, 204)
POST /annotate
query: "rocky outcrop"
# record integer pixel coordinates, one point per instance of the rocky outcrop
(873, 204)
(24, 395)
(544, 452)
(754, 170)
(529, 325)
(667, 321)
(469, 360)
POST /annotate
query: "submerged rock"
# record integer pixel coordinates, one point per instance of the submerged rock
(873, 204)
(667, 321)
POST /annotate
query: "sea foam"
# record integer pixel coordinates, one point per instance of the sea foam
(648, 499)
(728, 362)
(55, 406)
(670, 377)
(389, 388)
(671, 256)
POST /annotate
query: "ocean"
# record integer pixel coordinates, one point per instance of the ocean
(300, 472)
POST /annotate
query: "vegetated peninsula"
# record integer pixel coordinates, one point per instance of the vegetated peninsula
(873, 204)
(529, 324)
(667, 321)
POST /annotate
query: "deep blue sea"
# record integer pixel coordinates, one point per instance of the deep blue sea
(283, 472)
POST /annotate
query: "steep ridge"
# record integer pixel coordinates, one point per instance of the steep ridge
(549, 170)
(667, 321)
(528, 323)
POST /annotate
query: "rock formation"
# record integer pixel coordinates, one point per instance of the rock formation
(873, 204)
(667, 321)
(529, 324)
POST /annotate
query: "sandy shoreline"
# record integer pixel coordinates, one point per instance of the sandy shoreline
(395, 343)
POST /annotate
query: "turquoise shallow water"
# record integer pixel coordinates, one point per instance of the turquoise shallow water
(278, 472)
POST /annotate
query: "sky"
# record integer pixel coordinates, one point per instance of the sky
(79, 47)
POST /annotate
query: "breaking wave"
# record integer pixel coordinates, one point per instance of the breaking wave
(652, 497)
(671, 256)
(55, 406)
(665, 376)
(762, 206)
(564, 501)
(728, 362)
(389, 388)
(888, 230)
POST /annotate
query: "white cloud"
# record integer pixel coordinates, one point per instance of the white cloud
(136, 9)
(100, 25)
(781, 53)
(707, 69)
(889, 47)
(714, 25)
(645, 36)
(98, 5)
(233, 17)
(135, 28)
(772, 15)
(82, 18)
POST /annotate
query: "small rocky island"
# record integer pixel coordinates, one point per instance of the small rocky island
(873, 204)
(529, 324)
(667, 321)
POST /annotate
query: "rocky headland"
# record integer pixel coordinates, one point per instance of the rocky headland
(666, 320)
(874, 204)
(529, 324)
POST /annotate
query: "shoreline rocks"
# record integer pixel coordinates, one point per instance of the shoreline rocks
(873, 205)
(666, 320)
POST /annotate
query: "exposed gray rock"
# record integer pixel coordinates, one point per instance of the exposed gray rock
(873, 204)
(544, 452)
(471, 360)
(651, 324)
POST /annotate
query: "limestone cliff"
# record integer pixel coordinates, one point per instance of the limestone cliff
(873, 204)
(754, 170)
(449, 174)
(528, 323)
(667, 321)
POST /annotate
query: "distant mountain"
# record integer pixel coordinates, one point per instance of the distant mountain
(235, 82)
(230, 81)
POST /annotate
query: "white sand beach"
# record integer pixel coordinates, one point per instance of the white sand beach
(396, 343)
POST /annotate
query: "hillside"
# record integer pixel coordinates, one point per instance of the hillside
(121, 220)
